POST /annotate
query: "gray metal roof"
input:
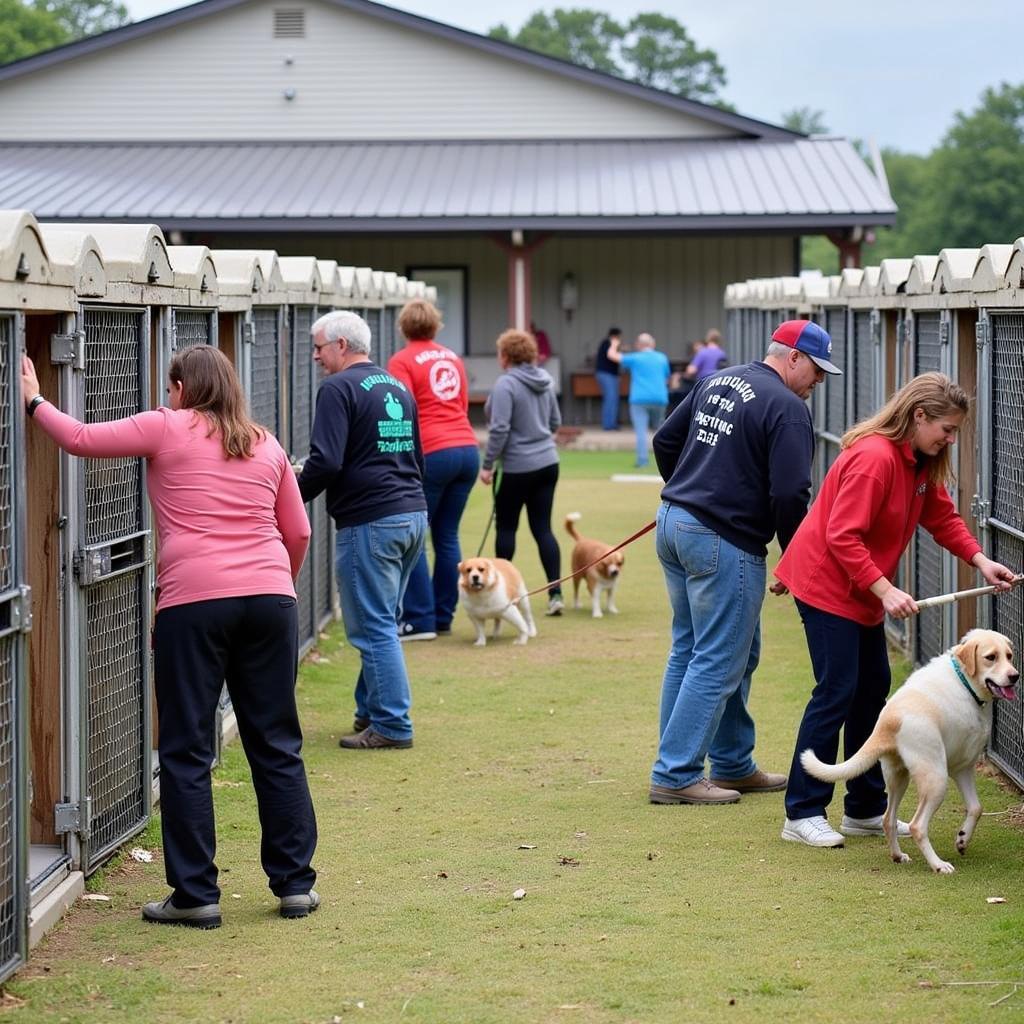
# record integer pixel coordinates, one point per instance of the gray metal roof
(709, 184)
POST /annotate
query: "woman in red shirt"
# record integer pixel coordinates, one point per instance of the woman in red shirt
(889, 478)
(437, 379)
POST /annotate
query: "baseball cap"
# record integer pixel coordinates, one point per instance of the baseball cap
(807, 337)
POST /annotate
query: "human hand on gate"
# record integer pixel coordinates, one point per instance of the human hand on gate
(995, 573)
(29, 380)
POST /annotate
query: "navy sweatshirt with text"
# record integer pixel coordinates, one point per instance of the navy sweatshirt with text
(365, 447)
(736, 454)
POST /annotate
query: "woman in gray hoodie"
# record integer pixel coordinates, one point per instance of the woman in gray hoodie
(522, 417)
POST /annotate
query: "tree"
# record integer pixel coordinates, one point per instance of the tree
(651, 49)
(25, 30)
(806, 120)
(80, 18)
(660, 53)
(579, 35)
(28, 28)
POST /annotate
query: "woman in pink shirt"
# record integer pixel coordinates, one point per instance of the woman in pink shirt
(232, 532)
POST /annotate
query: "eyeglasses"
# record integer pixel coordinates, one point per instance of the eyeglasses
(323, 344)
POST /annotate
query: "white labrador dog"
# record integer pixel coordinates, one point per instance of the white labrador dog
(934, 726)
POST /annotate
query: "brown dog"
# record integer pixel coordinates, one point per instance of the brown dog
(935, 725)
(493, 588)
(601, 577)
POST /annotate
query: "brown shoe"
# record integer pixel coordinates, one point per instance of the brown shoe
(359, 724)
(756, 782)
(700, 792)
(370, 740)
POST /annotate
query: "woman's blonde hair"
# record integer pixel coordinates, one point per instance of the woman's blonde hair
(936, 396)
(419, 320)
(209, 385)
(518, 347)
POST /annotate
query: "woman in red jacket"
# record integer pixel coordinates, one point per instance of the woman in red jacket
(889, 477)
(437, 379)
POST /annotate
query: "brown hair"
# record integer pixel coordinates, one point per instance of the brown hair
(210, 386)
(517, 347)
(420, 320)
(936, 396)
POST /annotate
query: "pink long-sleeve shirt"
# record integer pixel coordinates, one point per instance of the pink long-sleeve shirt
(227, 527)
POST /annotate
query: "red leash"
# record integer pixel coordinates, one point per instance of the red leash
(579, 572)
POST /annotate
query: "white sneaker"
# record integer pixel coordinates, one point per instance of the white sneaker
(814, 831)
(870, 827)
(555, 605)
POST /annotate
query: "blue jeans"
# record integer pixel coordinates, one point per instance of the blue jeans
(374, 562)
(644, 415)
(852, 679)
(450, 475)
(716, 591)
(609, 385)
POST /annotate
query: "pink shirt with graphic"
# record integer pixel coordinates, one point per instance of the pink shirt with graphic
(227, 527)
(437, 379)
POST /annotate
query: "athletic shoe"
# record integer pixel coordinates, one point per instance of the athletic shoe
(555, 605)
(165, 912)
(870, 827)
(302, 904)
(814, 831)
(407, 631)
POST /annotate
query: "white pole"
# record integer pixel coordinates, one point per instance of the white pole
(933, 602)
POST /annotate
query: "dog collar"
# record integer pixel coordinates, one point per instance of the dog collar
(963, 679)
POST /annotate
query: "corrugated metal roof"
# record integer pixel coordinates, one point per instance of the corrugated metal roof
(411, 186)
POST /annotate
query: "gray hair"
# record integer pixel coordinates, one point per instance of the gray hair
(779, 351)
(645, 339)
(343, 323)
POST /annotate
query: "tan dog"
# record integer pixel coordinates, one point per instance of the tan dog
(935, 725)
(601, 577)
(492, 588)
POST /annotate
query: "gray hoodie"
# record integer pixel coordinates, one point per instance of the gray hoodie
(522, 415)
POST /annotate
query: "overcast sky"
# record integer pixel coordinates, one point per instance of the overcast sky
(891, 70)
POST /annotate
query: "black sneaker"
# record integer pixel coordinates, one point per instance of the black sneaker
(165, 912)
(407, 631)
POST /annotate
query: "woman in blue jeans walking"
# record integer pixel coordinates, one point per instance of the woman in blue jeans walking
(437, 379)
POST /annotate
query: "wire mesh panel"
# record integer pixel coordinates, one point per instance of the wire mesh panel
(113, 487)
(112, 570)
(863, 358)
(323, 552)
(300, 422)
(1006, 525)
(192, 327)
(373, 318)
(118, 771)
(266, 369)
(12, 666)
(385, 347)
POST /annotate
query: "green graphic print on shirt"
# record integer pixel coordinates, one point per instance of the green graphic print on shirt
(395, 433)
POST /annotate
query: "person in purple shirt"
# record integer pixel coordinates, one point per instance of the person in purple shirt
(711, 358)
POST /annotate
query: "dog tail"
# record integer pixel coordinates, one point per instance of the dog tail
(865, 758)
(570, 524)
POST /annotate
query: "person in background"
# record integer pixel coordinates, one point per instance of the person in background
(649, 371)
(437, 379)
(365, 453)
(522, 416)
(543, 343)
(607, 373)
(890, 476)
(711, 358)
(736, 460)
(682, 383)
(232, 537)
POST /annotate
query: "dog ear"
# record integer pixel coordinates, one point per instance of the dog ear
(458, 568)
(967, 652)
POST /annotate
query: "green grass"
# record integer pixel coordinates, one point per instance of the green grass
(633, 912)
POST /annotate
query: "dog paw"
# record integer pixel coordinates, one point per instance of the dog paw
(901, 858)
(599, 614)
(480, 643)
(520, 641)
(943, 867)
(613, 610)
(961, 843)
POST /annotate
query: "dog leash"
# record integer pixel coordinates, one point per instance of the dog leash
(960, 595)
(579, 572)
(494, 508)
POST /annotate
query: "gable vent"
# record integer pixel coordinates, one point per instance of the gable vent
(289, 23)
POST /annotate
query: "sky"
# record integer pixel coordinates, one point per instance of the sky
(891, 71)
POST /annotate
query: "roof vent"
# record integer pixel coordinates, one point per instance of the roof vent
(289, 23)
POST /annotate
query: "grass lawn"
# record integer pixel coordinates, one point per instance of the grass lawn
(530, 770)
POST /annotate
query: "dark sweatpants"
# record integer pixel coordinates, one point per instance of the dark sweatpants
(251, 643)
(535, 490)
(851, 670)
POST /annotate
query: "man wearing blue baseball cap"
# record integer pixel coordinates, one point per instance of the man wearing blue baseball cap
(736, 460)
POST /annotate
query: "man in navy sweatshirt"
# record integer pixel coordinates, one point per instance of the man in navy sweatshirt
(365, 452)
(736, 460)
